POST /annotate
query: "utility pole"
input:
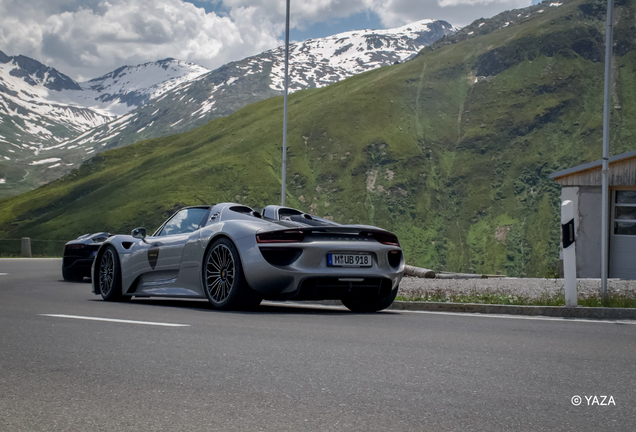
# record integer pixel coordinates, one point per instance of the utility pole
(609, 30)
(282, 195)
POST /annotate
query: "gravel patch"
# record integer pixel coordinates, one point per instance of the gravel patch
(412, 287)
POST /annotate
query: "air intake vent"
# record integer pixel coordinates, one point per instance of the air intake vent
(280, 257)
(395, 257)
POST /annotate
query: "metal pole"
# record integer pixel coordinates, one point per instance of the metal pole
(282, 195)
(606, 130)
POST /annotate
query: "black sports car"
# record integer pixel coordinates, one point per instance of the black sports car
(79, 255)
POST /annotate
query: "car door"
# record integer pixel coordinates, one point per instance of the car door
(167, 247)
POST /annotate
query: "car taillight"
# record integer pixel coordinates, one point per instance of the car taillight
(290, 236)
(76, 246)
(385, 238)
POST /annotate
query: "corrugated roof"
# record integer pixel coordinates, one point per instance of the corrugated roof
(590, 165)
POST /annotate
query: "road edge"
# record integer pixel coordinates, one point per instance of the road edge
(548, 311)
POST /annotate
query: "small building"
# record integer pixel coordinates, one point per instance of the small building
(582, 186)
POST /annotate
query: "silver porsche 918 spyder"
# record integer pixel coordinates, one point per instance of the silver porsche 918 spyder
(236, 257)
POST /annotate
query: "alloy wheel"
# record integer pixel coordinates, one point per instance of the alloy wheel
(220, 273)
(107, 272)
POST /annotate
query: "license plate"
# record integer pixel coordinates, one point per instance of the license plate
(349, 260)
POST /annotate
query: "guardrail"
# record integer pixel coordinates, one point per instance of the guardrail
(27, 247)
(430, 274)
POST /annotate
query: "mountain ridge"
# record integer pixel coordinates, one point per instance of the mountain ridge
(30, 70)
(261, 76)
(161, 98)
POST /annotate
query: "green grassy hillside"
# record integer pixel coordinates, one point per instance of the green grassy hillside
(451, 150)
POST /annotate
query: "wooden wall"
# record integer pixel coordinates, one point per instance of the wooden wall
(622, 173)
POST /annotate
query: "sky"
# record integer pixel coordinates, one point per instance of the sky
(88, 38)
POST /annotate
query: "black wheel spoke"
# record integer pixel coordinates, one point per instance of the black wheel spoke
(214, 289)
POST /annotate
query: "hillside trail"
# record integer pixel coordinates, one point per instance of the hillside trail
(419, 129)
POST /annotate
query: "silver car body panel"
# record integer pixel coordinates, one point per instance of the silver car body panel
(171, 265)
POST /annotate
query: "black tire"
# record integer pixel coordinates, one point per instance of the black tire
(108, 274)
(223, 278)
(369, 304)
(70, 276)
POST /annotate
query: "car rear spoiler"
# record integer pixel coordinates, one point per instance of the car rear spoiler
(297, 234)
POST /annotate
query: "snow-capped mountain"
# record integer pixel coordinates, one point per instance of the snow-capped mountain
(166, 97)
(40, 108)
(31, 119)
(129, 87)
(313, 63)
(48, 99)
(29, 94)
(320, 62)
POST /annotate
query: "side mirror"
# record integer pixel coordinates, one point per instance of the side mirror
(139, 233)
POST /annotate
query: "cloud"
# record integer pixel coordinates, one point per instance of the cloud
(392, 13)
(303, 12)
(83, 37)
(86, 38)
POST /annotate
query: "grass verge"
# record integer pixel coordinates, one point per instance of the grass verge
(617, 301)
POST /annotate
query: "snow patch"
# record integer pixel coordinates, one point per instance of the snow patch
(120, 120)
(36, 129)
(45, 161)
(205, 107)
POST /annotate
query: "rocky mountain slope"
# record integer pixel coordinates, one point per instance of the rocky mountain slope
(129, 87)
(172, 96)
(452, 150)
(41, 108)
(29, 117)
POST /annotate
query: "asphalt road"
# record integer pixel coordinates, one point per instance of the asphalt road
(296, 368)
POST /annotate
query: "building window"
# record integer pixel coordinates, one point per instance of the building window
(626, 197)
(625, 213)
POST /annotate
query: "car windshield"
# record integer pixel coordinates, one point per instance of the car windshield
(185, 221)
